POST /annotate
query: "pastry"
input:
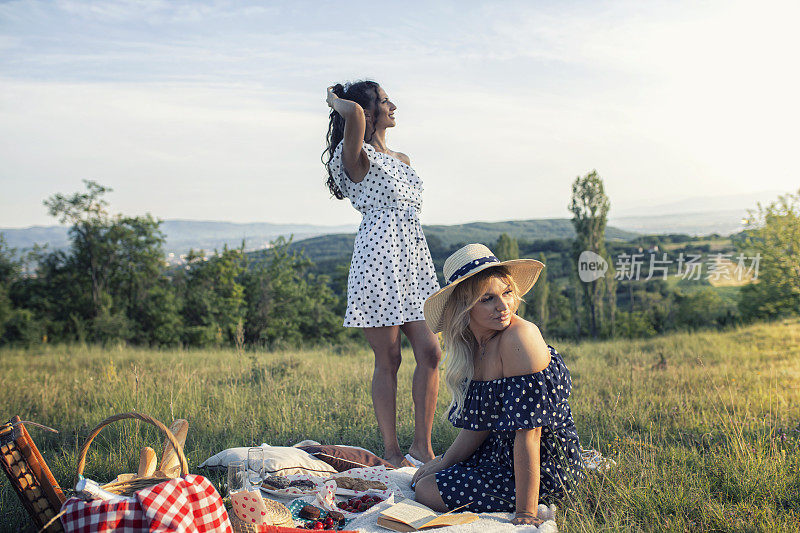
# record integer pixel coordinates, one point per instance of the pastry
(338, 517)
(357, 484)
(309, 512)
(275, 483)
(303, 484)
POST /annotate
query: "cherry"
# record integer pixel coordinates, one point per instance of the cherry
(319, 525)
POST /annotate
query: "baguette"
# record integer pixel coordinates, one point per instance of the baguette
(170, 464)
(147, 462)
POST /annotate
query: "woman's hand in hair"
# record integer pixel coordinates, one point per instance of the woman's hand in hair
(332, 97)
(348, 109)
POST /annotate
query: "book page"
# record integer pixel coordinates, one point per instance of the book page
(452, 520)
(410, 512)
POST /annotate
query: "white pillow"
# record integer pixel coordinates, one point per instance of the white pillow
(280, 460)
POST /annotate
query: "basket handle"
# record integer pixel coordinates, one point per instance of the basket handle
(137, 416)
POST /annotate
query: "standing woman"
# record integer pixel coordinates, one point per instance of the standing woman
(391, 271)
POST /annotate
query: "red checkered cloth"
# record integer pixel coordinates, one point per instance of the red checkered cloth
(180, 505)
(281, 529)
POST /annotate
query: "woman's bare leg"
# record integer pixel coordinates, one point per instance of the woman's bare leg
(424, 386)
(385, 343)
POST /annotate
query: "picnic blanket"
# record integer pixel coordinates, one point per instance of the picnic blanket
(400, 481)
(400, 478)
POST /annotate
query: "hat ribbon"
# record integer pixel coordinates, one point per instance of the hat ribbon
(472, 265)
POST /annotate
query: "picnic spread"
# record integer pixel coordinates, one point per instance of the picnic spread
(274, 489)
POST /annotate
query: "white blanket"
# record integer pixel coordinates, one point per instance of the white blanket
(489, 522)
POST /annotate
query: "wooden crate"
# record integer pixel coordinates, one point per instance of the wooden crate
(29, 475)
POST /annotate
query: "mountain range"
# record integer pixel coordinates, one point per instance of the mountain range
(721, 214)
(328, 241)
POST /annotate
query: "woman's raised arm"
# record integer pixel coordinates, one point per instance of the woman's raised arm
(355, 161)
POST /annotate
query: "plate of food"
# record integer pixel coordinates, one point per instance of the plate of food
(293, 485)
(350, 486)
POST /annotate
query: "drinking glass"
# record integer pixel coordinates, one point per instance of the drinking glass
(255, 465)
(236, 477)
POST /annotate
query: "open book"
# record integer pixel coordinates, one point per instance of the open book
(409, 515)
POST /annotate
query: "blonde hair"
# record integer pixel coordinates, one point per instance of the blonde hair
(459, 341)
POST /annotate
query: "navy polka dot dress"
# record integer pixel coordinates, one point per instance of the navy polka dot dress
(486, 479)
(391, 271)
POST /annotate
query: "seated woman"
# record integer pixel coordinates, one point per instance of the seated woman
(517, 442)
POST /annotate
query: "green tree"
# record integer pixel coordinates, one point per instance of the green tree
(287, 305)
(773, 238)
(89, 231)
(541, 292)
(118, 261)
(506, 248)
(9, 272)
(213, 302)
(560, 322)
(698, 309)
(589, 206)
(611, 298)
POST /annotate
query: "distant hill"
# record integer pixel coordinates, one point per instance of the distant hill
(528, 230)
(331, 247)
(183, 235)
(725, 222)
(22, 238)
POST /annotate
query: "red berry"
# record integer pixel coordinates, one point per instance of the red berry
(341, 505)
(319, 525)
(328, 521)
(366, 498)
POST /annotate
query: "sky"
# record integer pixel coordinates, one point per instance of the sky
(216, 110)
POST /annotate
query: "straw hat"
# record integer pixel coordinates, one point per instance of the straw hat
(468, 261)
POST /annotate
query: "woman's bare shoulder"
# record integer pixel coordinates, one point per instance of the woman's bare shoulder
(523, 349)
(403, 157)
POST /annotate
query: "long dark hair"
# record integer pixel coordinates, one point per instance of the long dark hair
(365, 94)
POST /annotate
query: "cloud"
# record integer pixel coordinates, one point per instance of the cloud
(218, 106)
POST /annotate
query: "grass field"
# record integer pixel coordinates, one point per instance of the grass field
(704, 427)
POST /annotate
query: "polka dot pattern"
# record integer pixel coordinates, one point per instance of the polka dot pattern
(391, 271)
(486, 479)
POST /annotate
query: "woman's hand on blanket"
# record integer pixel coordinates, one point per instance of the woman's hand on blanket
(526, 518)
(431, 467)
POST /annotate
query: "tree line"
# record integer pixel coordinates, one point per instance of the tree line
(113, 285)
(626, 306)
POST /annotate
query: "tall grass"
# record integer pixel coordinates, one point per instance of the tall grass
(704, 427)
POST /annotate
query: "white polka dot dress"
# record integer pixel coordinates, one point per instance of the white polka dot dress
(486, 479)
(391, 271)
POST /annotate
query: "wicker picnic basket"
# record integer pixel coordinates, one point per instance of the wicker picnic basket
(29, 475)
(128, 487)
